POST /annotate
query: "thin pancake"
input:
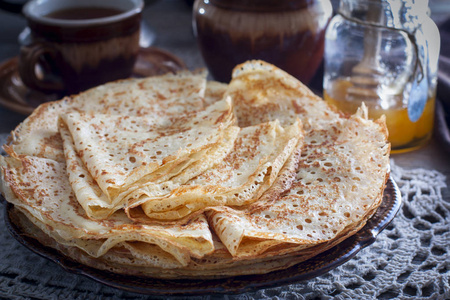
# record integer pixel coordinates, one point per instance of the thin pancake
(262, 92)
(96, 203)
(259, 153)
(116, 151)
(120, 259)
(328, 194)
(40, 187)
(160, 95)
(306, 199)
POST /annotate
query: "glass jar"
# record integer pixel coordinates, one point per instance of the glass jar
(385, 53)
(287, 33)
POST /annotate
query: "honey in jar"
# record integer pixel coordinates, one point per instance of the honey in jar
(404, 135)
(385, 53)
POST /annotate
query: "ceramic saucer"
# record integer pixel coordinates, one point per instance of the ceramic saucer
(15, 96)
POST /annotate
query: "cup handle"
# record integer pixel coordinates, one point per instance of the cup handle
(45, 56)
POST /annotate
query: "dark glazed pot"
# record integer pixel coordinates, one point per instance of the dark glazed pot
(286, 33)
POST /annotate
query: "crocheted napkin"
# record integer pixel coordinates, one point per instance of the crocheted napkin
(410, 259)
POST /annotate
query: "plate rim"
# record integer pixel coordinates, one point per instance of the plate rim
(247, 283)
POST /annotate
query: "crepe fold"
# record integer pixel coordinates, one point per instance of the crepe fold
(340, 178)
(178, 177)
(111, 155)
(161, 95)
(338, 182)
(39, 188)
(240, 178)
(218, 264)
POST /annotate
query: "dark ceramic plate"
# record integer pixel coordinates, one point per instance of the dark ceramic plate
(311, 268)
(17, 97)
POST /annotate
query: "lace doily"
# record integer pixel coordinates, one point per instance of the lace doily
(409, 260)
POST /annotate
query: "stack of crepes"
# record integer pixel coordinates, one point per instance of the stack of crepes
(179, 177)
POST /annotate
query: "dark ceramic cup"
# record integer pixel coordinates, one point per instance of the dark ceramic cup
(73, 45)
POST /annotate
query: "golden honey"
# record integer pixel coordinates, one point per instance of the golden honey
(404, 135)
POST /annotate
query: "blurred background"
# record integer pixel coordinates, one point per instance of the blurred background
(175, 37)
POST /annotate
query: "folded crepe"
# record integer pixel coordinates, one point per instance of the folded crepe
(117, 153)
(339, 182)
(262, 92)
(249, 169)
(119, 259)
(216, 208)
(340, 177)
(168, 94)
(39, 188)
